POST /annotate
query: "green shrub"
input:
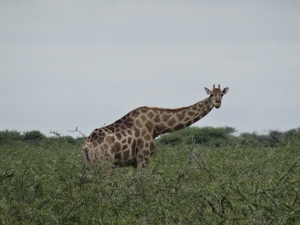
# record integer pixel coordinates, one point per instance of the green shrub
(291, 133)
(69, 139)
(8, 136)
(33, 136)
(276, 137)
(205, 136)
(183, 184)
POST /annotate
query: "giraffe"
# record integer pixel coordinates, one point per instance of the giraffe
(130, 140)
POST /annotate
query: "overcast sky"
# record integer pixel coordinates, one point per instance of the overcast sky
(67, 64)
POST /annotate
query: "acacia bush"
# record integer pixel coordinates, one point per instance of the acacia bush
(223, 136)
(273, 139)
(184, 184)
(33, 136)
(206, 136)
(7, 136)
(36, 137)
(254, 139)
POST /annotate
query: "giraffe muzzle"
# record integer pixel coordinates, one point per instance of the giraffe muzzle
(217, 104)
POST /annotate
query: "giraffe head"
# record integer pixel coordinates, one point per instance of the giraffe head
(216, 94)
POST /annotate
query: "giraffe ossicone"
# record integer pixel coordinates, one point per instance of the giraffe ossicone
(130, 140)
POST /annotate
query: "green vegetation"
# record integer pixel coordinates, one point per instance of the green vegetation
(206, 136)
(203, 176)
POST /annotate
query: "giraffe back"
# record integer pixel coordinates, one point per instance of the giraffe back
(118, 141)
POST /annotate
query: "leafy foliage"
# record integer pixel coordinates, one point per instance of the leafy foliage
(273, 139)
(238, 183)
(205, 136)
(33, 136)
(10, 136)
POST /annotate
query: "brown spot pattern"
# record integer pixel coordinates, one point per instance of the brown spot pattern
(130, 140)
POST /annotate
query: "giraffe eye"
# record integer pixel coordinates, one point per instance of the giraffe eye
(222, 95)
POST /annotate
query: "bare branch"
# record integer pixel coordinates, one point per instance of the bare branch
(55, 133)
(189, 160)
(76, 130)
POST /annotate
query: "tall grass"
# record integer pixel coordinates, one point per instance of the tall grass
(184, 184)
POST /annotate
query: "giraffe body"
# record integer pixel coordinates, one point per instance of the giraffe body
(130, 140)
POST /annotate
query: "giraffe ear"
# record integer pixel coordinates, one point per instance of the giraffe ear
(207, 91)
(225, 90)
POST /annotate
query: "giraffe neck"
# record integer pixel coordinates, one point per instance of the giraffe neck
(177, 119)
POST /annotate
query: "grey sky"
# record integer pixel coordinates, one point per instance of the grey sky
(87, 63)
